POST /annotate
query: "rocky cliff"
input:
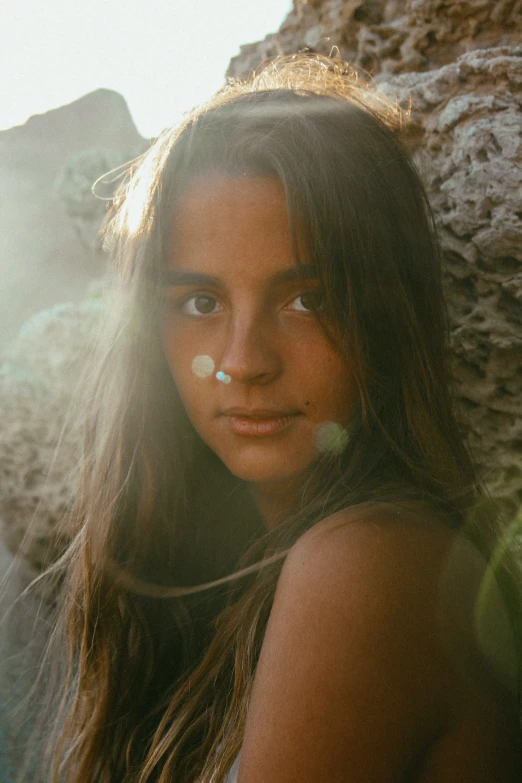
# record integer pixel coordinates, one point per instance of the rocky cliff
(41, 260)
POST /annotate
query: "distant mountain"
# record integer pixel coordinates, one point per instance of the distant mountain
(41, 260)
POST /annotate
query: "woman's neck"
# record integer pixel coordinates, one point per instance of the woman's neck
(277, 500)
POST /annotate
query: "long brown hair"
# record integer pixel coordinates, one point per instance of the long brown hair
(158, 687)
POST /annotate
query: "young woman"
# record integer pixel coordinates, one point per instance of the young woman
(279, 564)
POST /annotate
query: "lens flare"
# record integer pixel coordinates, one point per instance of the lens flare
(493, 626)
(223, 377)
(331, 438)
(203, 366)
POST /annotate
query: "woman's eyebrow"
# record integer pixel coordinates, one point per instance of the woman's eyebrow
(180, 277)
(298, 272)
(186, 277)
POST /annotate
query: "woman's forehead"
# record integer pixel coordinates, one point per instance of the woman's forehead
(220, 192)
(230, 215)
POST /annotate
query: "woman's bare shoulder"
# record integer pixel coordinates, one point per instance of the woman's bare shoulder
(369, 651)
(395, 551)
(409, 552)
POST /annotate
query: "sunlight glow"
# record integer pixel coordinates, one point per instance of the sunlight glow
(164, 58)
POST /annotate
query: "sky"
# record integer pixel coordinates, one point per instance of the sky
(163, 56)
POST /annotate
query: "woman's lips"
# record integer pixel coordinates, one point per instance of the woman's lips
(259, 425)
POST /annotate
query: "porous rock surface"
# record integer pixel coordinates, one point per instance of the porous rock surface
(389, 36)
(459, 64)
(468, 146)
(39, 435)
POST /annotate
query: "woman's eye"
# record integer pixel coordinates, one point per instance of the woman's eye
(201, 304)
(309, 302)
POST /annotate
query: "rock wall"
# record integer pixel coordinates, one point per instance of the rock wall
(470, 153)
(389, 36)
(459, 62)
(39, 437)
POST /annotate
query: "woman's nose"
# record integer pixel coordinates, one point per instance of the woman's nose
(250, 352)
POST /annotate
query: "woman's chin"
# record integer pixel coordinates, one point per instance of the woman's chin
(267, 471)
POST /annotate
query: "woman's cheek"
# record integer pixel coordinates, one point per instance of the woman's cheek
(193, 370)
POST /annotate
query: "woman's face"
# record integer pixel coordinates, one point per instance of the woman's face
(261, 383)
